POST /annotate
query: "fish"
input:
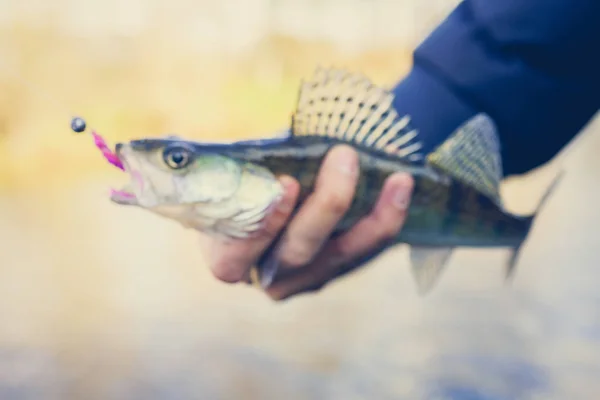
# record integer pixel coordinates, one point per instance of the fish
(227, 189)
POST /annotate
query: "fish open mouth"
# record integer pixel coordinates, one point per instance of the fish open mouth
(126, 195)
(123, 196)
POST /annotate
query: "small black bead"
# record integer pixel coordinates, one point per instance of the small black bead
(78, 125)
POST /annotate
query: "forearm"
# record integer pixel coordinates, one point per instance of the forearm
(529, 64)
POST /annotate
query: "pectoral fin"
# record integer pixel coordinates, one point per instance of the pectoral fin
(427, 265)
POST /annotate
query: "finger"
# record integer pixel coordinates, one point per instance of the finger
(231, 259)
(384, 222)
(322, 210)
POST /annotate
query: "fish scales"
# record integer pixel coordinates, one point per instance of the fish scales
(443, 211)
(227, 189)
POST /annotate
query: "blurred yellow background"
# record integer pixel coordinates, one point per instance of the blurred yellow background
(102, 302)
(210, 71)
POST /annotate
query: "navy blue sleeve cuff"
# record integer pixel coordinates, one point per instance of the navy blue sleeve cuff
(435, 111)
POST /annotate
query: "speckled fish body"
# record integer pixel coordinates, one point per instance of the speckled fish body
(443, 211)
(455, 202)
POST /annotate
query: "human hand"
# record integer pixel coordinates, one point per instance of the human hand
(308, 259)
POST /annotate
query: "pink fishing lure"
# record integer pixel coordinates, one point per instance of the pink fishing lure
(78, 125)
(112, 158)
(110, 155)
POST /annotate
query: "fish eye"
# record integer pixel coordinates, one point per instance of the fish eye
(177, 157)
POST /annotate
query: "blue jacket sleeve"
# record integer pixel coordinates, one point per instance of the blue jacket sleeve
(532, 65)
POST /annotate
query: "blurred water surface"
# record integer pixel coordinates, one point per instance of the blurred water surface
(102, 302)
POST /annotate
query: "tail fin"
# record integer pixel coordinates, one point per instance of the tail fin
(510, 267)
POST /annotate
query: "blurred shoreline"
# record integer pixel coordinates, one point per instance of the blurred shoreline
(149, 90)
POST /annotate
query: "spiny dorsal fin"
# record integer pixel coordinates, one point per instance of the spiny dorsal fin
(472, 156)
(349, 107)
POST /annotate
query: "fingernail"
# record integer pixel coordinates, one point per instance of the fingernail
(283, 207)
(401, 198)
(286, 181)
(345, 160)
(284, 204)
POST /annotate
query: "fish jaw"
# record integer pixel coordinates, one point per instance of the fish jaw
(128, 195)
(123, 197)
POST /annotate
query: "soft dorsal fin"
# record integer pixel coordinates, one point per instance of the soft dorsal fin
(472, 155)
(349, 107)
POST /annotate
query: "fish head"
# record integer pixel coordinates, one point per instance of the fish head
(174, 173)
(201, 186)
